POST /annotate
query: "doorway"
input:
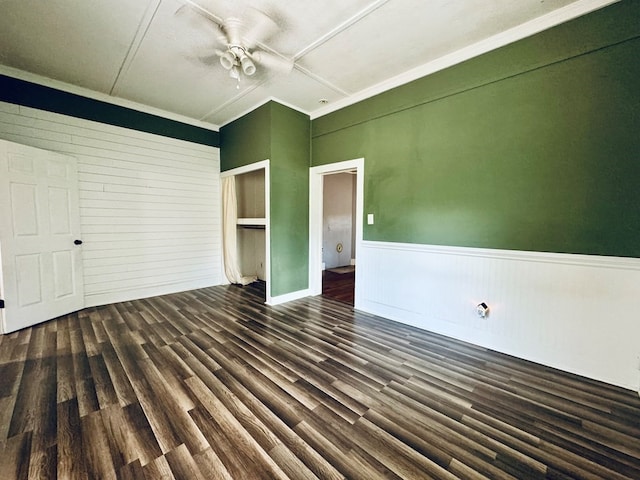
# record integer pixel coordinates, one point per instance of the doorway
(338, 238)
(316, 218)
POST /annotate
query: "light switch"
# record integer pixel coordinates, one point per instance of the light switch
(369, 218)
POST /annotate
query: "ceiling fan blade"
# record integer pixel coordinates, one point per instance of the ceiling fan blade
(209, 60)
(203, 27)
(272, 61)
(258, 27)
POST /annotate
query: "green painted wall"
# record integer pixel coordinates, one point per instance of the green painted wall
(534, 146)
(290, 153)
(282, 135)
(246, 140)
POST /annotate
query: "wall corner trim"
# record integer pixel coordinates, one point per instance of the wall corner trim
(288, 297)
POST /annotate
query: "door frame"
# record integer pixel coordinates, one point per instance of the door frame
(316, 197)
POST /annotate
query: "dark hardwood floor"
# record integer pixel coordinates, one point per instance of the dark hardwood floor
(213, 384)
(339, 286)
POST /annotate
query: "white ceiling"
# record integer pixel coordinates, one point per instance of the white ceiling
(141, 55)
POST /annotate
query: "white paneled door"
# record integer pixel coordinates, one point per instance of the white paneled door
(40, 241)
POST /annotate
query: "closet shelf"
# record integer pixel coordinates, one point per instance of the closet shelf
(252, 221)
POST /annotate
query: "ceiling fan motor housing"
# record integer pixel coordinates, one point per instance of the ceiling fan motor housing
(240, 37)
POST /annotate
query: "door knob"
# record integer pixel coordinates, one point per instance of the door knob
(77, 242)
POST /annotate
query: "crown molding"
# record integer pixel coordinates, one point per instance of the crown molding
(260, 104)
(551, 19)
(102, 97)
(527, 29)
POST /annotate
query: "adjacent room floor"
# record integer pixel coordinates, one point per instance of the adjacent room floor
(213, 384)
(339, 284)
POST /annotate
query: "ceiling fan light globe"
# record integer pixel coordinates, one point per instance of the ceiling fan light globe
(227, 60)
(248, 66)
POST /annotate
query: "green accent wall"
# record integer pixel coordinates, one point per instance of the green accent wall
(282, 135)
(534, 146)
(246, 140)
(21, 92)
(290, 154)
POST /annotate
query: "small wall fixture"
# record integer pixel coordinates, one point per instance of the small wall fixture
(482, 310)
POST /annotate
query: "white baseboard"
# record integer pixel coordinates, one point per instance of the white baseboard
(98, 299)
(288, 297)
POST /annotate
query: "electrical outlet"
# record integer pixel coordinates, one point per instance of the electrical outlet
(482, 310)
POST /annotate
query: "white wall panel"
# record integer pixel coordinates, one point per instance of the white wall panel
(149, 205)
(578, 313)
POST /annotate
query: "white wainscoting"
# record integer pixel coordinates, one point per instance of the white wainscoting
(578, 313)
(149, 205)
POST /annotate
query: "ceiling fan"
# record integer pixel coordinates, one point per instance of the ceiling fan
(233, 41)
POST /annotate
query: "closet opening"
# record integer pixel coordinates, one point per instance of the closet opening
(246, 230)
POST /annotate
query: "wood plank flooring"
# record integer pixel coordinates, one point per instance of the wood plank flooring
(212, 384)
(339, 286)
